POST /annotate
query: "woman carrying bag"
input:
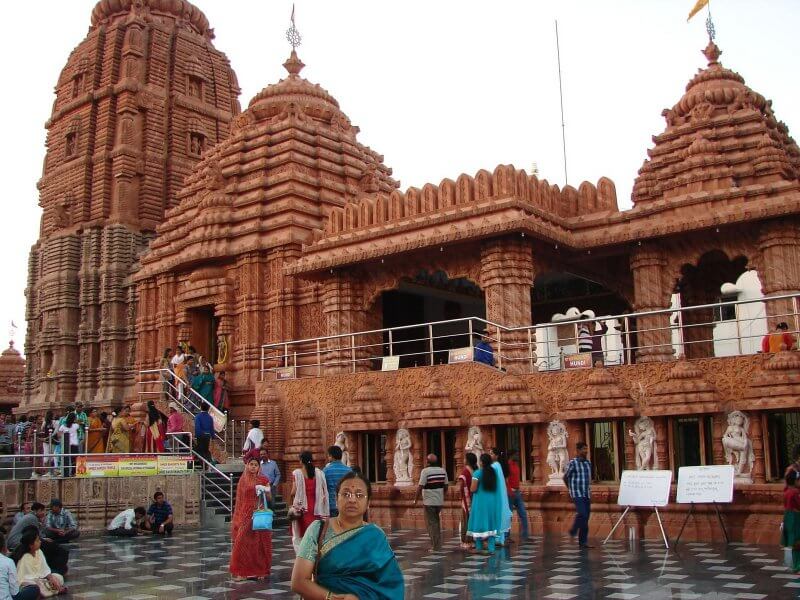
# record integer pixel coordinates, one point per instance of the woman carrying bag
(251, 555)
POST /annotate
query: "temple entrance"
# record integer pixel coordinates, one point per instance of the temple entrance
(426, 298)
(204, 332)
(703, 284)
(560, 298)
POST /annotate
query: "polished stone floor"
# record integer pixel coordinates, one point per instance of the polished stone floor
(193, 564)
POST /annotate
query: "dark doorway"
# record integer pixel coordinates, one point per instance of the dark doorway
(557, 292)
(204, 332)
(426, 298)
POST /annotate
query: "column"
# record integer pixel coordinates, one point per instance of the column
(344, 313)
(662, 443)
(757, 437)
(651, 335)
(779, 248)
(506, 278)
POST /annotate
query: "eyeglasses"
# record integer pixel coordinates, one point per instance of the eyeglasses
(351, 495)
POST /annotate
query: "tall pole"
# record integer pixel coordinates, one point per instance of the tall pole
(561, 101)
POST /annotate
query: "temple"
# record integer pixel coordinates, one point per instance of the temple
(283, 249)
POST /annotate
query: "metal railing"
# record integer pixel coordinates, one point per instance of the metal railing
(708, 330)
(212, 494)
(174, 389)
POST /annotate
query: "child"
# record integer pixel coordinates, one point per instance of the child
(8, 578)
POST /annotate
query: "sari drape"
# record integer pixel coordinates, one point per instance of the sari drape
(361, 562)
(119, 440)
(94, 440)
(489, 515)
(203, 384)
(251, 555)
(154, 437)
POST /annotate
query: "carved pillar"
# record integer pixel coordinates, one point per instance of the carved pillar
(630, 447)
(391, 440)
(506, 277)
(416, 453)
(662, 442)
(779, 248)
(757, 437)
(652, 334)
(718, 425)
(535, 447)
(344, 313)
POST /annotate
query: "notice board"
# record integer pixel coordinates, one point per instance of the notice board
(644, 488)
(712, 483)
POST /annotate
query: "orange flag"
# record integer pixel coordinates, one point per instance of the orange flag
(697, 7)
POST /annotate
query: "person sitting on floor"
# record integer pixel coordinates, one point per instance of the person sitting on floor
(128, 523)
(57, 556)
(60, 525)
(25, 509)
(159, 515)
(9, 588)
(32, 567)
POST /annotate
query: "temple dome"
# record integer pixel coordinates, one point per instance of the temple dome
(180, 9)
(12, 370)
(721, 138)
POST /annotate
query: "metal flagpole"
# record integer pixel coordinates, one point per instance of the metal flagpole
(561, 101)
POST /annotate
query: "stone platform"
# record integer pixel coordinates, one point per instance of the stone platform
(193, 565)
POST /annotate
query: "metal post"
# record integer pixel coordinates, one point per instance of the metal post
(627, 351)
(430, 342)
(680, 329)
(499, 350)
(230, 492)
(353, 351)
(319, 359)
(796, 316)
(530, 349)
(391, 348)
(286, 355)
(738, 328)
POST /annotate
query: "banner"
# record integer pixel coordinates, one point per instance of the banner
(96, 466)
(132, 466)
(175, 464)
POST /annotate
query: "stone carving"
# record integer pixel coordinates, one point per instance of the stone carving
(738, 446)
(342, 442)
(474, 441)
(557, 455)
(403, 465)
(644, 440)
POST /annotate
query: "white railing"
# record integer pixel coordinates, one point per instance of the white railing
(718, 329)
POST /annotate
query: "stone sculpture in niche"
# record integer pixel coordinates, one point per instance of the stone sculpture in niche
(403, 465)
(644, 439)
(474, 441)
(557, 455)
(341, 441)
(738, 446)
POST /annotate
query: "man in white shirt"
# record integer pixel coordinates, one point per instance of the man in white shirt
(127, 523)
(254, 437)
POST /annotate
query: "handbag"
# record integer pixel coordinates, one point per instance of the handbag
(46, 590)
(262, 516)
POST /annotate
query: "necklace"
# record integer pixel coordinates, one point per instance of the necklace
(339, 523)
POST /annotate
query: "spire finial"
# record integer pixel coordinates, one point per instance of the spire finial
(292, 35)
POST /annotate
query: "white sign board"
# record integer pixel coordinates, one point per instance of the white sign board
(713, 483)
(390, 363)
(644, 488)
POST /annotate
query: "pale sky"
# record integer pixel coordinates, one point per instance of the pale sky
(438, 87)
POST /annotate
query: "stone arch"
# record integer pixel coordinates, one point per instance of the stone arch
(483, 185)
(367, 210)
(381, 210)
(699, 283)
(504, 181)
(397, 205)
(351, 220)
(464, 189)
(413, 202)
(429, 197)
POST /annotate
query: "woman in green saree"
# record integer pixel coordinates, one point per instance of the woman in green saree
(348, 558)
(203, 384)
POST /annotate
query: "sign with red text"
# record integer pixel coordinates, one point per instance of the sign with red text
(578, 361)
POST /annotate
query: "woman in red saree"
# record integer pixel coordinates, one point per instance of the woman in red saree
(156, 429)
(251, 555)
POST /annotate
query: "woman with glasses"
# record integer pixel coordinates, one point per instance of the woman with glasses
(348, 558)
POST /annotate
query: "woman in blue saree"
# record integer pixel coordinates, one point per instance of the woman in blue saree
(348, 558)
(489, 516)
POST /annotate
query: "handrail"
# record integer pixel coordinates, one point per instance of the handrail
(519, 345)
(205, 479)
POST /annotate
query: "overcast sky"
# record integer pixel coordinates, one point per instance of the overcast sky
(438, 87)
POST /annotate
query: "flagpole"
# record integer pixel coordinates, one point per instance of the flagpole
(561, 101)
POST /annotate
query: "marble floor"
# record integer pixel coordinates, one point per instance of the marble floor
(192, 565)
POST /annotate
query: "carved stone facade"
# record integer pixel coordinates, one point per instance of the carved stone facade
(135, 98)
(12, 370)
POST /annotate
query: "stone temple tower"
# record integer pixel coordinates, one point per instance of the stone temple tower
(140, 99)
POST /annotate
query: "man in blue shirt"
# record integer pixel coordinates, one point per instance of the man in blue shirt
(203, 430)
(59, 523)
(159, 515)
(334, 471)
(578, 478)
(483, 352)
(270, 470)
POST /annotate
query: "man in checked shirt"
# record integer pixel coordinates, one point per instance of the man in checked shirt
(578, 479)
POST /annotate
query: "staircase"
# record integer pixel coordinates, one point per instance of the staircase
(215, 507)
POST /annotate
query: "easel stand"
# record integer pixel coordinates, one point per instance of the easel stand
(691, 512)
(625, 512)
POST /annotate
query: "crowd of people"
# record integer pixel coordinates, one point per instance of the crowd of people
(184, 371)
